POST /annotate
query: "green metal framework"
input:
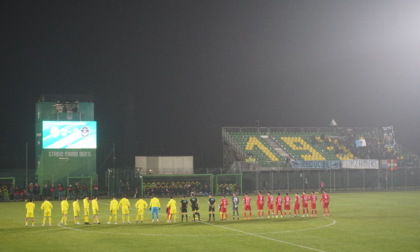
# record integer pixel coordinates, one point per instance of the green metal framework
(206, 179)
(230, 180)
(81, 180)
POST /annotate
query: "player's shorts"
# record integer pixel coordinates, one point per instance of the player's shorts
(278, 207)
(223, 209)
(86, 211)
(194, 208)
(325, 205)
(313, 205)
(183, 209)
(113, 211)
(172, 210)
(211, 208)
(269, 206)
(95, 211)
(125, 210)
(30, 215)
(286, 207)
(247, 208)
(296, 206)
(305, 205)
(64, 211)
(47, 213)
(76, 213)
(260, 207)
(155, 211)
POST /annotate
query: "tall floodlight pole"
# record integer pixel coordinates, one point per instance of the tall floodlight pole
(113, 160)
(26, 166)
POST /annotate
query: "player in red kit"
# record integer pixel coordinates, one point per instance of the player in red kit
(325, 199)
(270, 205)
(313, 199)
(279, 201)
(260, 205)
(287, 200)
(296, 206)
(247, 206)
(223, 208)
(305, 199)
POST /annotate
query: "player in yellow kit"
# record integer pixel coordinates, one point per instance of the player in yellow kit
(64, 211)
(141, 205)
(30, 206)
(46, 207)
(172, 210)
(76, 211)
(86, 206)
(95, 211)
(125, 205)
(113, 209)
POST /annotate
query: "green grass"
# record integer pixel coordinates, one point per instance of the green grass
(374, 221)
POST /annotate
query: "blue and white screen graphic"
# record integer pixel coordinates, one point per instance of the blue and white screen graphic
(69, 134)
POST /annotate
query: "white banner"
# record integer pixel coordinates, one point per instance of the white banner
(360, 164)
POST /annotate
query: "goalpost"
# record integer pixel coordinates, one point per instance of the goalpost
(82, 187)
(226, 184)
(176, 185)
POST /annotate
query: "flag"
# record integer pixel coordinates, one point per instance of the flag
(333, 123)
(392, 165)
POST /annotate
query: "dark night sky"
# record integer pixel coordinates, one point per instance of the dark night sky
(167, 75)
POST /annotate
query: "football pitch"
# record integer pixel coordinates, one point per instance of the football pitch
(363, 221)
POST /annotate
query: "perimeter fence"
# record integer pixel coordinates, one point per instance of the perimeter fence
(332, 179)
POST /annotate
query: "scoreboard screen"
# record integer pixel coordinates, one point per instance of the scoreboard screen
(69, 134)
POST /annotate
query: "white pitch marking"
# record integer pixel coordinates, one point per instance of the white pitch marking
(264, 237)
(304, 229)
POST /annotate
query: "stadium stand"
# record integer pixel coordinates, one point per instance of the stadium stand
(277, 146)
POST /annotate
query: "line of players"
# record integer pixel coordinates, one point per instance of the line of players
(279, 202)
(171, 209)
(283, 205)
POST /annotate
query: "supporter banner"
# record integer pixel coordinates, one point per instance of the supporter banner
(328, 164)
(360, 164)
(360, 143)
(389, 136)
(390, 165)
